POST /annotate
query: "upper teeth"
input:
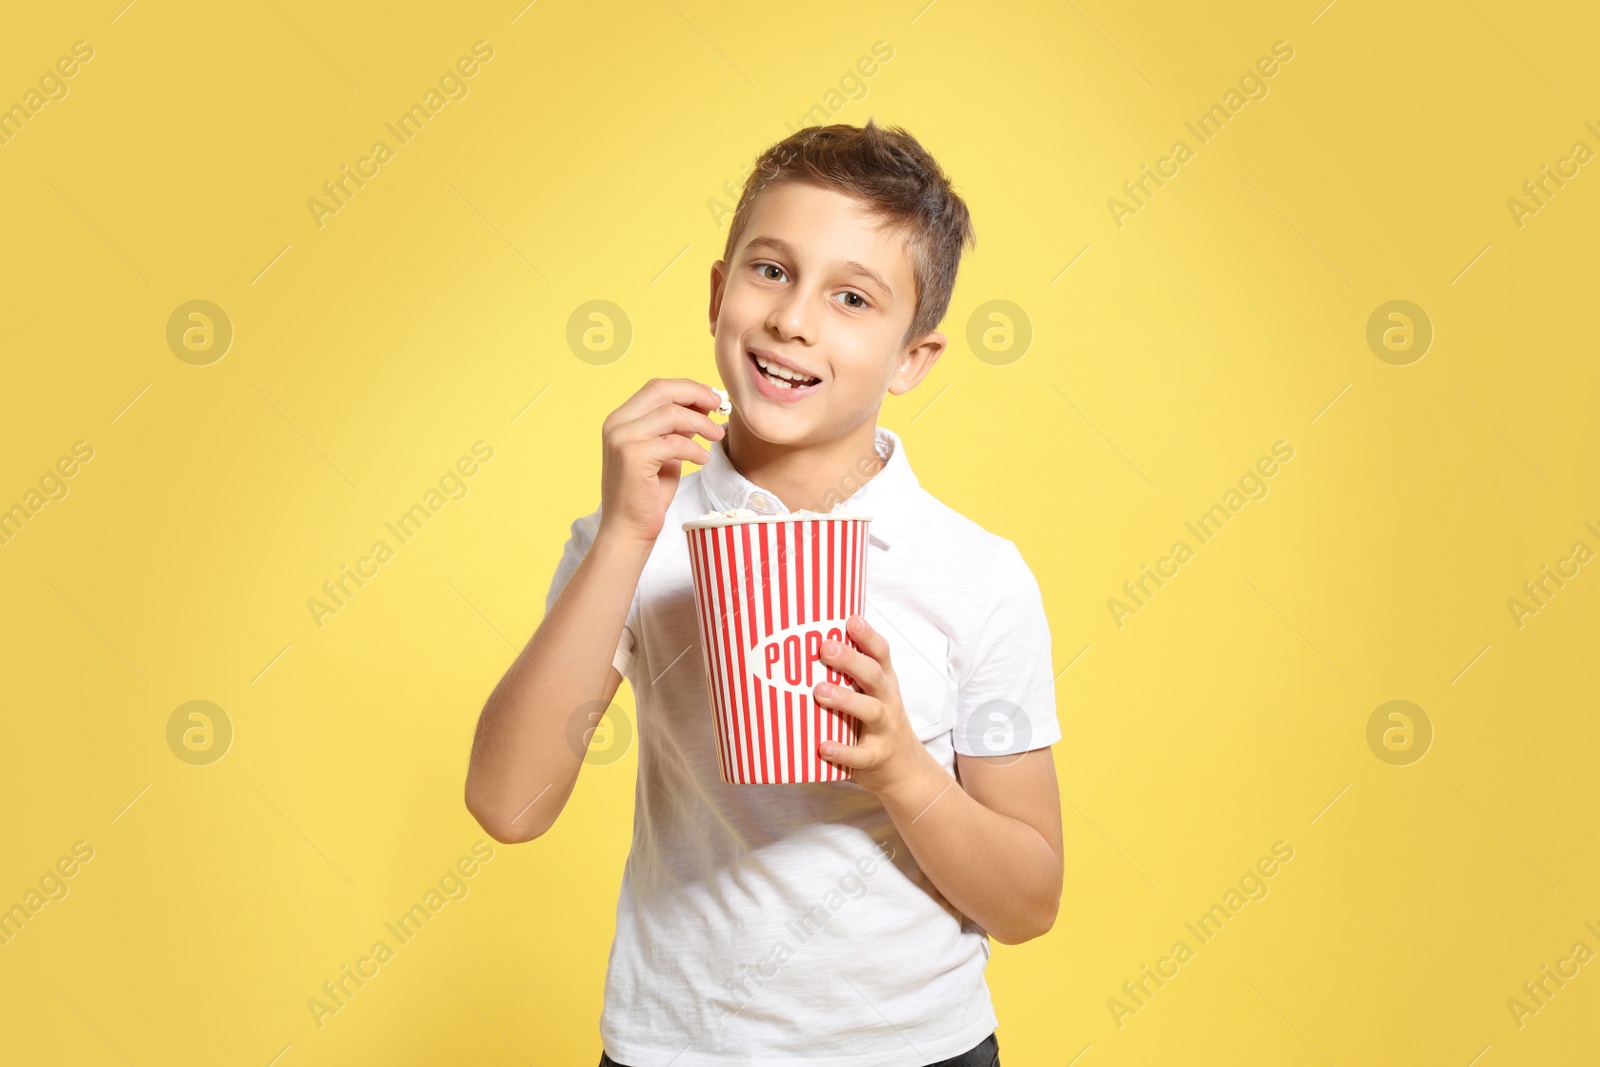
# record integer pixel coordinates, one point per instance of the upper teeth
(781, 372)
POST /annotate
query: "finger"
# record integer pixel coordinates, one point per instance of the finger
(672, 446)
(871, 641)
(658, 391)
(863, 669)
(856, 757)
(867, 708)
(684, 391)
(672, 419)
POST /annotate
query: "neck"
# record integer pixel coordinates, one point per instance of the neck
(811, 477)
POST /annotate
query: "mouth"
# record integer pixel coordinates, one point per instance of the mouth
(777, 381)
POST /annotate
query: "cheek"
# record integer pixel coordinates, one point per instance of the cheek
(729, 354)
(742, 302)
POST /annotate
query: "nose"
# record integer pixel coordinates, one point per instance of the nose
(793, 315)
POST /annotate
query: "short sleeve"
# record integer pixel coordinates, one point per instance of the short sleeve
(582, 536)
(1007, 702)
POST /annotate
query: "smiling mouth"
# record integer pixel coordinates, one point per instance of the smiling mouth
(776, 374)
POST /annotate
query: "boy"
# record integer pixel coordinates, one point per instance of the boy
(833, 923)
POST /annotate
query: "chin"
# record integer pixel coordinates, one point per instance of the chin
(770, 426)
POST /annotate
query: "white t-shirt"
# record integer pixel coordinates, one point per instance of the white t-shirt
(790, 924)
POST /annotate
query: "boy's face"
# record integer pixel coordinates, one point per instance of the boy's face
(796, 290)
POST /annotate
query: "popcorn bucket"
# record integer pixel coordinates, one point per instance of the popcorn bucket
(768, 592)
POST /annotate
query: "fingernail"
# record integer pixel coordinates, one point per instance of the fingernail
(830, 647)
(824, 690)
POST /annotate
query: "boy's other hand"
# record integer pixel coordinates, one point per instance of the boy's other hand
(887, 752)
(645, 442)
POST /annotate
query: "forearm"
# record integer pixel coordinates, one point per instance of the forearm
(523, 765)
(996, 870)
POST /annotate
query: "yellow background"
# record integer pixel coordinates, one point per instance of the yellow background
(369, 354)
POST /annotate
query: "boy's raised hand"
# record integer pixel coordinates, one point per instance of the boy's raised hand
(645, 442)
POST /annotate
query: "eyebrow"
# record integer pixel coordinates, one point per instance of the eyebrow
(850, 266)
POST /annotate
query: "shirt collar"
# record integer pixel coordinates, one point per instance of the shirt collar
(886, 496)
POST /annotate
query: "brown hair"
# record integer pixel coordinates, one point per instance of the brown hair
(895, 178)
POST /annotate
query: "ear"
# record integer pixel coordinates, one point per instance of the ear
(719, 279)
(916, 361)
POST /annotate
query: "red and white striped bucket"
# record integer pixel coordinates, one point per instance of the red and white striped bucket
(768, 592)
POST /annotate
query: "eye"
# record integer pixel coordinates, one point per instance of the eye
(762, 267)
